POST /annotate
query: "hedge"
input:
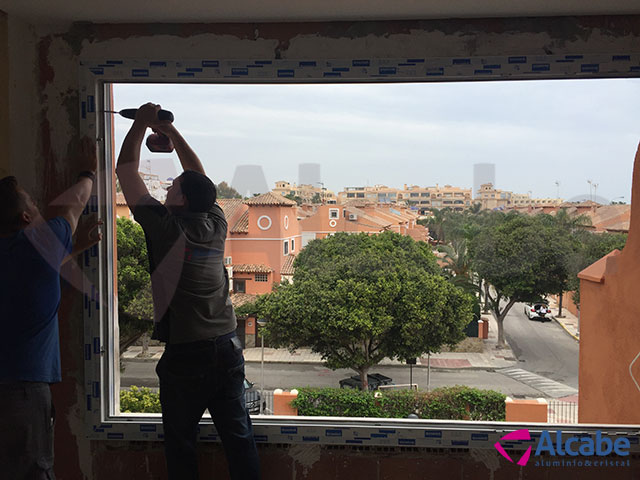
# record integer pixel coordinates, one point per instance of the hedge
(139, 400)
(445, 403)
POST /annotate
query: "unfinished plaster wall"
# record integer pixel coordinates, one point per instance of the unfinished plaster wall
(23, 106)
(5, 136)
(43, 102)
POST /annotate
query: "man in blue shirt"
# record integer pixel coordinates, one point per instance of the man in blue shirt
(32, 250)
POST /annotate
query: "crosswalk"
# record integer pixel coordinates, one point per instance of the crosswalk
(548, 387)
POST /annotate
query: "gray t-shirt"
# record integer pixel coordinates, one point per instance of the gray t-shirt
(189, 281)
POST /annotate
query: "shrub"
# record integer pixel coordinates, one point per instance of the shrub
(446, 403)
(139, 400)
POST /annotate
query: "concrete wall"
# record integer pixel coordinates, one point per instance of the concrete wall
(42, 103)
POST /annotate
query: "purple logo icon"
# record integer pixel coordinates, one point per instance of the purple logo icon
(517, 435)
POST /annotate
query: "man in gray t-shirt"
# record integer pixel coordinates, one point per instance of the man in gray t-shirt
(202, 366)
(190, 284)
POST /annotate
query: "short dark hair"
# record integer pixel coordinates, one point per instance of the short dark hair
(199, 191)
(12, 204)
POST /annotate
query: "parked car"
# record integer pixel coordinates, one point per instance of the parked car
(537, 311)
(253, 399)
(375, 380)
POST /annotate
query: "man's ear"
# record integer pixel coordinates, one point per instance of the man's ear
(26, 218)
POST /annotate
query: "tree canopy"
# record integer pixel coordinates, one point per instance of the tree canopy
(135, 307)
(524, 259)
(357, 299)
(224, 190)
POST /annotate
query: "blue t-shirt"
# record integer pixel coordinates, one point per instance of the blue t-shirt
(29, 299)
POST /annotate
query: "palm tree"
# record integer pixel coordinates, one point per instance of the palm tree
(458, 265)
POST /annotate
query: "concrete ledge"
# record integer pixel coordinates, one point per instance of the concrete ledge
(528, 410)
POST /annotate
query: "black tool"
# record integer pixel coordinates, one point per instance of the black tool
(163, 115)
(157, 141)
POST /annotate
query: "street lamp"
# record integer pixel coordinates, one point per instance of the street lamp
(261, 323)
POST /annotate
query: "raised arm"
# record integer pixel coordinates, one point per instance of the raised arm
(71, 203)
(188, 158)
(128, 164)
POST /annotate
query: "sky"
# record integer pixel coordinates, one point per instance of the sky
(536, 133)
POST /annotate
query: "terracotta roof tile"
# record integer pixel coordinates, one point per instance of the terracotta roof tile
(242, 225)
(251, 268)
(120, 199)
(287, 268)
(270, 199)
(239, 299)
(230, 206)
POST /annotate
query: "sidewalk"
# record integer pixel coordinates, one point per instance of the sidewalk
(569, 322)
(491, 358)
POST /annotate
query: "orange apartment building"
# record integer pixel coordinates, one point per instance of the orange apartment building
(267, 232)
(421, 199)
(491, 198)
(306, 192)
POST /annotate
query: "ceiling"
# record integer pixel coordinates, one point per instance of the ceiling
(213, 11)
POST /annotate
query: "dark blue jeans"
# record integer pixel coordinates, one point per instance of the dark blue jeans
(198, 376)
(26, 431)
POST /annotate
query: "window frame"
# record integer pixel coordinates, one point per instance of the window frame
(264, 277)
(101, 355)
(240, 281)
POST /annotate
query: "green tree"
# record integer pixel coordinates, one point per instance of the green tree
(591, 248)
(225, 190)
(523, 260)
(294, 197)
(135, 308)
(356, 299)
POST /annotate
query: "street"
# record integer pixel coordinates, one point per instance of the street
(287, 376)
(548, 366)
(543, 348)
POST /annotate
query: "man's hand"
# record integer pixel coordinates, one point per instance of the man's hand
(147, 114)
(88, 159)
(87, 235)
(166, 128)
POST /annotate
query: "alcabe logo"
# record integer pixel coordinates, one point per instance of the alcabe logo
(586, 447)
(517, 435)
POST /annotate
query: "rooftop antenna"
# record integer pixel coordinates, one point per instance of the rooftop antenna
(557, 182)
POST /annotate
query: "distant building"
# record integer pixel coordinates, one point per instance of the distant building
(306, 192)
(483, 173)
(491, 198)
(436, 198)
(249, 180)
(419, 199)
(309, 174)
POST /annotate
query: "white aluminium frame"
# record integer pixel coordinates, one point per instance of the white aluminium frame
(101, 354)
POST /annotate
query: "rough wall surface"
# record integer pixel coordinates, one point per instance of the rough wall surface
(43, 105)
(609, 332)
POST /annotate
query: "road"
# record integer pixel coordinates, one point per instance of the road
(287, 376)
(543, 348)
(546, 354)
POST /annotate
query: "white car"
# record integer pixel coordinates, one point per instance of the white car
(537, 311)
